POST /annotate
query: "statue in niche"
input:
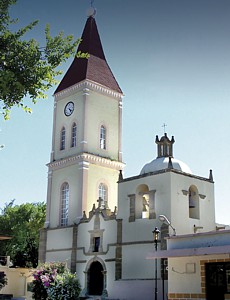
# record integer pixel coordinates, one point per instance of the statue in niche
(145, 204)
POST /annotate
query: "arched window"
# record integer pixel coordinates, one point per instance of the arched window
(102, 137)
(64, 204)
(103, 194)
(74, 135)
(193, 202)
(62, 139)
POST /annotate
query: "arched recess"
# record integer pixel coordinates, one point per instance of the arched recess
(96, 277)
(193, 202)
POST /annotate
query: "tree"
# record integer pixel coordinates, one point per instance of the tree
(26, 68)
(22, 222)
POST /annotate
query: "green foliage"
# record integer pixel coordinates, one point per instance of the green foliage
(3, 280)
(22, 222)
(53, 281)
(26, 68)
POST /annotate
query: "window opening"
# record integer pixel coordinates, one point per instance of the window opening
(96, 244)
(103, 137)
(64, 204)
(103, 194)
(62, 142)
(193, 203)
(74, 135)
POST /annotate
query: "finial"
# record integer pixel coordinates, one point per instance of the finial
(91, 12)
(120, 178)
(210, 175)
(170, 164)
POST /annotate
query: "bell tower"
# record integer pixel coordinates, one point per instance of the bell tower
(86, 144)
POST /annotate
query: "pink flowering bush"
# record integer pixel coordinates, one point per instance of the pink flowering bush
(54, 281)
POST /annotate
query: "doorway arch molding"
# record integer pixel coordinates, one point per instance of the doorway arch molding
(87, 276)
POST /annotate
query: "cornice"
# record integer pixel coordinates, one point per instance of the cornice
(86, 158)
(90, 85)
(167, 171)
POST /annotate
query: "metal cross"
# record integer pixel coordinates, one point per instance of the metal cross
(91, 2)
(164, 125)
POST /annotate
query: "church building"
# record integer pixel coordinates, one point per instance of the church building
(97, 221)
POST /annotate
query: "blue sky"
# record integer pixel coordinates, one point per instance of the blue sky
(172, 61)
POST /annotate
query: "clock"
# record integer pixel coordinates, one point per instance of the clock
(69, 108)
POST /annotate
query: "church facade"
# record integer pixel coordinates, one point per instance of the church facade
(100, 223)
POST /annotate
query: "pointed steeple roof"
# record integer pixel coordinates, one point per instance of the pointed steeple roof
(94, 68)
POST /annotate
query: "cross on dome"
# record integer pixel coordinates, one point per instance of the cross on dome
(164, 125)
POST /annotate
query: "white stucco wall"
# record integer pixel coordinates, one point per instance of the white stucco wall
(91, 110)
(135, 265)
(180, 208)
(108, 176)
(60, 238)
(85, 257)
(171, 201)
(61, 120)
(18, 278)
(71, 175)
(181, 279)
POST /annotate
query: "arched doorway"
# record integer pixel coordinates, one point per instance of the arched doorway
(95, 278)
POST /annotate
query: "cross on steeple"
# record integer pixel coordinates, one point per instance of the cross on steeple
(100, 200)
(164, 125)
(91, 3)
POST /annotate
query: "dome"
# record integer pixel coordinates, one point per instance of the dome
(162, 163)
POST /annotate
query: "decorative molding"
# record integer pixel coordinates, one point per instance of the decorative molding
(58, 250)
(202, 196)
(81, 261)
(86, 158)
(83, 165)
(185, 193)
(166, 171)
(86, 92)
(86, 86)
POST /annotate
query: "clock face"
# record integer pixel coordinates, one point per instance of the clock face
(69, 108)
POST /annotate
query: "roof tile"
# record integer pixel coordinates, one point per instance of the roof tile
(94, 68)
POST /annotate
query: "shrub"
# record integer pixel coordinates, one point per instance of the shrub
(65, 287)
(53, 281)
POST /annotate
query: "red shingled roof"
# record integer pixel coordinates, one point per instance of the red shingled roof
(94, 68)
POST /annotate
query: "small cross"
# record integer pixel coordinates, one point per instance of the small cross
(164, 125)
(100, 200)
(91, 2)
